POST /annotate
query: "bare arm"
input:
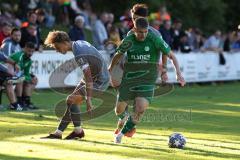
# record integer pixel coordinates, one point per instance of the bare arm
(163, 69)
(89, 87)
(115, 61)
(177, 68)
(10, 61)
(13, 63)
(175, 62)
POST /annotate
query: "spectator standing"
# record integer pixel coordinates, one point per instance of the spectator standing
(99, 31)
(176, 32)
(165, 31)
(86, 8)
(109, 22)
(76, 32)
(29, 34)
(47, 6)
(31, 18)
(124, 27)
(214, 42)
(5, 31)
(161, 16)
(228, 41)
(236, 44)
(184, 45)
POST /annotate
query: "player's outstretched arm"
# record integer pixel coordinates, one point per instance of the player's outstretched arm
(180, 78)
(115, 61)
(163, 68)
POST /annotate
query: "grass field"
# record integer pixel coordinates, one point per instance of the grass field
(208, 116)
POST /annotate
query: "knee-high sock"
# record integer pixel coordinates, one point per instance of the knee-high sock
(75, 115)
(128, 125)
(66, 119)
(20, 100)
(26, 100)
(123, 115)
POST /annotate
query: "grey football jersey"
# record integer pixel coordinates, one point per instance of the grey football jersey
(3, 58)
(87, 55)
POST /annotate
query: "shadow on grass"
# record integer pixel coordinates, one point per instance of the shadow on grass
(8, 157)
(123, 151)
(216, 141)
(10, 131)
(193, 151)
(200, 152)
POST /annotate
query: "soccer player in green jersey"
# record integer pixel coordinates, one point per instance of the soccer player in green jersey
(140, 72)
(24, 89)
(137, 11)
(141, 10)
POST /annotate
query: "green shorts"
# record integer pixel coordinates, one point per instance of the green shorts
(129, 93)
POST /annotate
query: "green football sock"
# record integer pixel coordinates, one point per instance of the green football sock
(122, 115)
(128, 125)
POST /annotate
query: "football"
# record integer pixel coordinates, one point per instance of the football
(177, 140)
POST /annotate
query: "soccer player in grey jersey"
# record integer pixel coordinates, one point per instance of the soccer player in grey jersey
(95, 73)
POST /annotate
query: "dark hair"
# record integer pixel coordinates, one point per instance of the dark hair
(140, 10)
(141, 23)
(4, 24)
(177, 20)
(30, 45)
(29, 13)
(15, 30)
(40, 11)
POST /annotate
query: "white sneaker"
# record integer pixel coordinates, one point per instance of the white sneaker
(19, 108)
(118, 138)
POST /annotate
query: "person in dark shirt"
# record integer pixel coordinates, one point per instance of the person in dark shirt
(184, 44)
(177, 33)
(76, 32)
(29, 34)
(165, 31)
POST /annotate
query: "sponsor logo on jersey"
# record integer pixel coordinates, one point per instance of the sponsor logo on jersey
(146, 48)
(141, 57)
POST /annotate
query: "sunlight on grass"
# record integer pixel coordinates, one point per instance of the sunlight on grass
(229, 104)
(212, 132)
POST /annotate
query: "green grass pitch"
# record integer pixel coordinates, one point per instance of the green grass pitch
(207, 115)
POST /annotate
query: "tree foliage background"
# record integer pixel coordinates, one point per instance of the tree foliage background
(208, 15)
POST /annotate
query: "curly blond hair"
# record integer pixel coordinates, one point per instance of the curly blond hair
(56, 37)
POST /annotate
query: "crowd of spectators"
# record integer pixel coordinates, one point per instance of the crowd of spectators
(33, 15)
